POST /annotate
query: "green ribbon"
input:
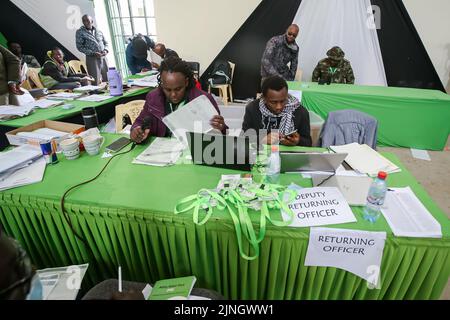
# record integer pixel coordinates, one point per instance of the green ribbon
(271, 198)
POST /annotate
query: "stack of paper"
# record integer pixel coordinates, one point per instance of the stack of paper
(44, 104)
(162, 152)
(364, 159)
(64, 96)
(86, 88)
(21, 166)
(43, 134)
(8, 112)
(408, 217)
(149, 81)
(95, 98)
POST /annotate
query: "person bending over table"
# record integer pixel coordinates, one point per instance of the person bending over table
(176, 88)
(56, 74)
(279, 114)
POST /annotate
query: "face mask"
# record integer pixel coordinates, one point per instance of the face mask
(36, 289)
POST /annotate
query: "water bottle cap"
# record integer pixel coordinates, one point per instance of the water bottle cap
(112, 68)
(382, 175)
(274, 148)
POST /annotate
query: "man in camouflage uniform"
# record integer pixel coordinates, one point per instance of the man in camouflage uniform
(334, 68)
(280, 51)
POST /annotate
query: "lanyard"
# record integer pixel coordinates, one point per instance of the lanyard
(182, 103)
(238, 202)
(333, 70)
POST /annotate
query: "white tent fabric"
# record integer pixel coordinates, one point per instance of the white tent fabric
(347, 24)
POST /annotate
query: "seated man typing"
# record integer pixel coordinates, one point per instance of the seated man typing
(176, 88)
(279, 114)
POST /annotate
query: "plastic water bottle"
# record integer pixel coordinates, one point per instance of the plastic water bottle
(115, 82)
(274, 166)
(375, 198)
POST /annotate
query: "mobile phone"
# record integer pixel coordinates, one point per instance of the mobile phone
(290, 133)
(118, 145)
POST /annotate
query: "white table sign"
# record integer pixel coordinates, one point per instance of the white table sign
(358, 252)
(319, 206)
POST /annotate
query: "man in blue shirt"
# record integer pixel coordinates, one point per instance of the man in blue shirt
(136, 54)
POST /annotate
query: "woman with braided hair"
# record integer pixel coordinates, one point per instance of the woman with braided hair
(176, 88)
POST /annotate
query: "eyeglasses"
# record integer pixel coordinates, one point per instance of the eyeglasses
(23, 264)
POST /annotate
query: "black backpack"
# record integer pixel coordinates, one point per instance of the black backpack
(220, 74)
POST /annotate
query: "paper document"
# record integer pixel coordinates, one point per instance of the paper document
(95, 98)
(153, 57)
(44, 103)
(149, 81)
(420, 154)
(364, 159)
(8, 112)
(18, 156)
(62, 283)
(162, 152)
(29, 174)
(64, 96)
(192, 117)
(297, 94)
(407, 216)
(86, 88)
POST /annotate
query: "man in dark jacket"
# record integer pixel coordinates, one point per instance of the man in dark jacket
(136, 54)
(9, 75)
(30, 60)
(56, 74)
(277, 116)
(176, 88)
(280, 51)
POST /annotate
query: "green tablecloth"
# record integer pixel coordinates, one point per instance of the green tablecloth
(415, 118)
(58, 112)
(127, 218)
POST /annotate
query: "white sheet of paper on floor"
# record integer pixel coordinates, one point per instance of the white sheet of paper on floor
(420, 154)
(29, 174)
(359, 252)
(407, 216)
(319, 206)
(192, 117)
(161, 152)
(364, 159)
(68, 282)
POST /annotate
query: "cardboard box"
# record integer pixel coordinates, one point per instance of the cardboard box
(16, 140)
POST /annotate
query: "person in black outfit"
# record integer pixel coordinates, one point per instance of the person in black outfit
(278, 117)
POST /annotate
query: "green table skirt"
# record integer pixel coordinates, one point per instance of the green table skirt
(151, 246)
(126, 217)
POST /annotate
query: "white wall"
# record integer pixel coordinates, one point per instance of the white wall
(60, 18)
(432, 21)
(199, 29)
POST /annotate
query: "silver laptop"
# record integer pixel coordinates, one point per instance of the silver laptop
(353, 188)
(299, 161)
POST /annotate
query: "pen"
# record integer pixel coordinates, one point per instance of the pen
(120, 279)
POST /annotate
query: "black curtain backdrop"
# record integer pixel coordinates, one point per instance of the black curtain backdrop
(17, 26)
(246, 47)
(405, 58)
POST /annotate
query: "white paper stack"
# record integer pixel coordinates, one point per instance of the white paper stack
(20, 166)
(64, 96)
(44, 103)
(407, 216)
(95, 98)
(86, 88)
(162, 152)
(8, 112)
(364, 159)
(149, 81)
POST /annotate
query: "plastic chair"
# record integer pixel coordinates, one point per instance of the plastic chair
(34, 79)
(132, 109)
(77, 67)
(223, 88)
(298, 75)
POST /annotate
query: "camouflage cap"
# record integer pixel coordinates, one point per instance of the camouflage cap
(336, 53)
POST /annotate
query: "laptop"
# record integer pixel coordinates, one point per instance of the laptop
(306, 161)
(353, 188)
(217, 150)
